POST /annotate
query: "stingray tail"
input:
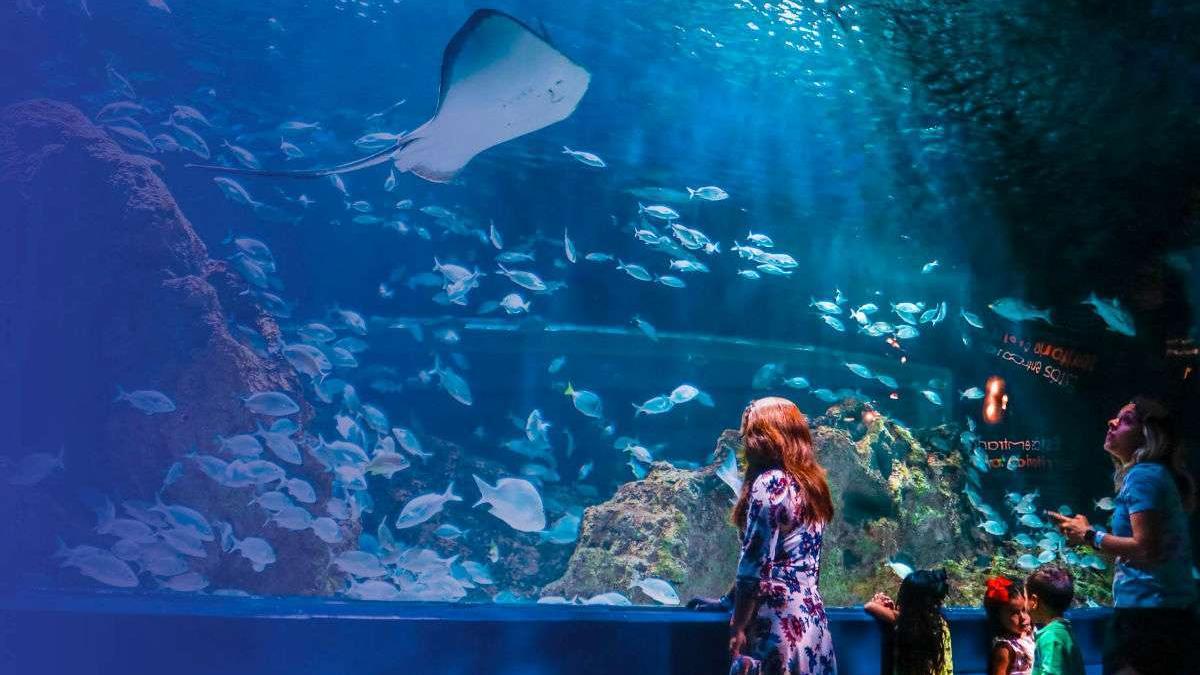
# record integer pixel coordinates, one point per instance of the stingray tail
(362, 163)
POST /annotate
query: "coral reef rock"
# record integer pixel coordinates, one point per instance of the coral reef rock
(895, 495)
(673, 525)
(114, 288)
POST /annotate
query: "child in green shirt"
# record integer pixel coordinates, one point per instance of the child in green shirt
(1050, 589)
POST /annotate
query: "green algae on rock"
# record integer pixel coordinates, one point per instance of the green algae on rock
(673, 524)
(898, 494)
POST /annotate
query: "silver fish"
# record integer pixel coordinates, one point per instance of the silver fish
(256, 550)
(1015, 309)
(634, 270)
(515, 501)
(971, 319)
(424, 507)
(244, 156)
(587, 158)
(658, 211)
(655, 406)
(656, 589)
(527, 280)
(148, 401)
(271, 403)
(360, 564)
(710, 193)
(564, 531)
(1113, 314)
(35, 467)
(453, 383)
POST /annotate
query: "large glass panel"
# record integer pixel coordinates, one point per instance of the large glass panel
(504, 357)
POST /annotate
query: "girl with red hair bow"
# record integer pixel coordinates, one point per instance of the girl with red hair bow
(1011, 630)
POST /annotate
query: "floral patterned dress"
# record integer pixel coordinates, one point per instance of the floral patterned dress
(781, 557)
(1020, 661)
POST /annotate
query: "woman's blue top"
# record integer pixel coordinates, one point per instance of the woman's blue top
(1168, 582)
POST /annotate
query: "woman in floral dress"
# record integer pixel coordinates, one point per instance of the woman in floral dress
(779, 625)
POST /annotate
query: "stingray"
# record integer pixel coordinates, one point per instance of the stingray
(500, 80)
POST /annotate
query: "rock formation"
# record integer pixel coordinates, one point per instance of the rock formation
(897, 494)
(114, 289)
(893, 495)
(673, 524)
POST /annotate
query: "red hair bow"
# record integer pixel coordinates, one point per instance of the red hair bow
(997, 589)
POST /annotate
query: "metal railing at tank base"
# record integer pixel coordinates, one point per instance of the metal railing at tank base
(56, 633)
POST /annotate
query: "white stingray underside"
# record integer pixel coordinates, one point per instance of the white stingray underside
(499, 81)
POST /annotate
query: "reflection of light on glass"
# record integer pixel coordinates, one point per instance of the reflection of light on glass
(903, 359)
(995, 402)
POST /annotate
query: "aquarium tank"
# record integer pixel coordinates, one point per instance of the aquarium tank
(461, 302)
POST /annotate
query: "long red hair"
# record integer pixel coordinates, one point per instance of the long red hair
(775, 435)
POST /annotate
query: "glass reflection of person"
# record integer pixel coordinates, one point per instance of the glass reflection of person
(1154, 627)
(779, 623)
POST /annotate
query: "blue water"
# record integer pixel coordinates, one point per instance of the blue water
(866, 153)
